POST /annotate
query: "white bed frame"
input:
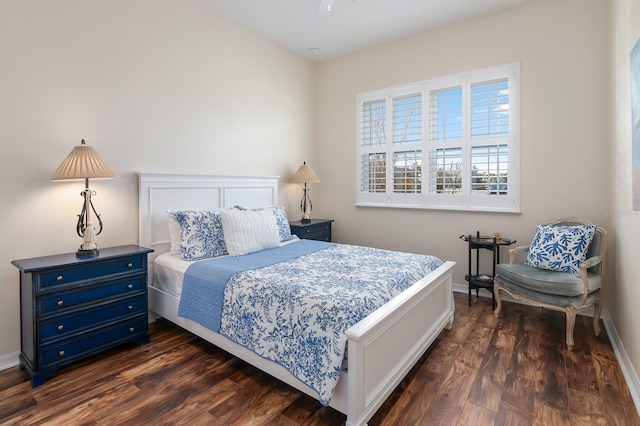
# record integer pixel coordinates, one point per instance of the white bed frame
(383, 347)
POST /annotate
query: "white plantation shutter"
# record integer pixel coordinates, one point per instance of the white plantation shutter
(372, 147)
(407, 119)
(374, 123)
(407, 172)
(374, 172)
(464, 127)
(490, 109)
(490, 169)
(407, 143)
(445, 115)
(446, 171)
(489, 127)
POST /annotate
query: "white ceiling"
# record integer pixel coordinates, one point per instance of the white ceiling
(305, 25)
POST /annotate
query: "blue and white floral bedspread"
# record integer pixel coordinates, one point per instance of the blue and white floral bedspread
(296, 313)
(205, 281)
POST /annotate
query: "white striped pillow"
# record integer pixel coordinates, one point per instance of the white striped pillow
(249, 231)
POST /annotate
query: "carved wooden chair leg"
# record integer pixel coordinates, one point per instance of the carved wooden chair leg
(496, 291)
(596, 317)
(571, 322)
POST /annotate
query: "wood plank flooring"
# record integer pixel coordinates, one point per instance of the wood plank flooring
(514, 370)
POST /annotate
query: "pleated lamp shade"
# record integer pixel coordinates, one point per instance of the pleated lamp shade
(83, 162)
(304, 174)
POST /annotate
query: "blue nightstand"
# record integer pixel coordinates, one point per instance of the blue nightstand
(72, 308)
(316, 229)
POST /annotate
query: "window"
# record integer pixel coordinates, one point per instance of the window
(447, 143)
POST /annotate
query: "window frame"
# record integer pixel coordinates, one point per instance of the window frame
(465, 201)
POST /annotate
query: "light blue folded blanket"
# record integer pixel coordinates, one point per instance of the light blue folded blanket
(205, 281)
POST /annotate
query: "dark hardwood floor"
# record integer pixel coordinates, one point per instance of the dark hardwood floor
(514, 370)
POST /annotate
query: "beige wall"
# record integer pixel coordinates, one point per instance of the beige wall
(625, 221)
(562, 47)
(153, 85)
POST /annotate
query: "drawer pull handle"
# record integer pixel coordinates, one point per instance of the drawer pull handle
(130, 286)
(132, 329)
(59, 278)
(129, 265)
(60, 302)
(61, 327)
(61, 353)
(130, 307)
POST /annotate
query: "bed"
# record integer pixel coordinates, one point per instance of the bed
(382, 347)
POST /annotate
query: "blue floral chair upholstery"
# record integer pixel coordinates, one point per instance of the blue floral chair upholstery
(563, 271)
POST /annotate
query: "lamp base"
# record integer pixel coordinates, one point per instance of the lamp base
(303, 220)
(87, 254)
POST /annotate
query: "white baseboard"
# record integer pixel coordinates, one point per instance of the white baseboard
(629, 373)
(9, 360)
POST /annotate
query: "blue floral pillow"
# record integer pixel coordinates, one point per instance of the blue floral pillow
(560, 248)
(284, 230)
(201, 234)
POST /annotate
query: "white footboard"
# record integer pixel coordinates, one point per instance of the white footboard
(385, 345)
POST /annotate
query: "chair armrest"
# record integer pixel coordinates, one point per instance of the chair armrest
(584, 266)
(590, 262)
(516, 250)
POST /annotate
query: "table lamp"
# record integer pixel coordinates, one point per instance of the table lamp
(305, 175)
(84, 162)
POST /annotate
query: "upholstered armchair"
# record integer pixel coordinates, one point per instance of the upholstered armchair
(563, 271)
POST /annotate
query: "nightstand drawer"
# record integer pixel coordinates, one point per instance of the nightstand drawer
(68, 299)
(312, 230)
(316, 229)
(93, 342)
(68, 325)
(93, 271)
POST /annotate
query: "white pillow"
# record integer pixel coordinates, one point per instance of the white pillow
(284, 230)
(174, 234)
(248, 231)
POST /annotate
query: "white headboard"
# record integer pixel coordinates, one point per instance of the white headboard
(160, 192)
